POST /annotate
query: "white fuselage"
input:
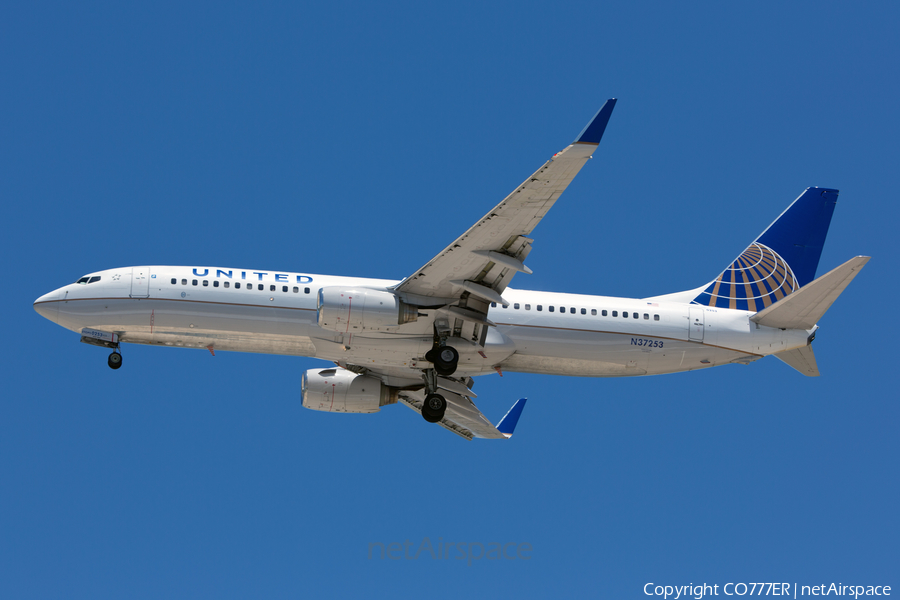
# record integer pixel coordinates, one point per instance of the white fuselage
(540, 332)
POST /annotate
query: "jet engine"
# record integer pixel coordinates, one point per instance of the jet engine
(356, 310)
(340, 390)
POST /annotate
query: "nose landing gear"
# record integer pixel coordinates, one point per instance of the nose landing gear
(104, 339)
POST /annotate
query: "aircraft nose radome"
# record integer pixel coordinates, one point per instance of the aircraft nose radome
(46, 307)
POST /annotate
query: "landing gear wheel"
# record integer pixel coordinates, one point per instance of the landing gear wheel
(445, 360)
(433, 408)
(114, 361)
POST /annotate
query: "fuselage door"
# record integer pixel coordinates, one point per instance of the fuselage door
(696, 324)
(140, 282)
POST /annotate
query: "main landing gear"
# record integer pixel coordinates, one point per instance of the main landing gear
(444, 358)
(115, 359)
(435, 405)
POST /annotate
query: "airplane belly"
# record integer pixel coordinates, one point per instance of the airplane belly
(408, 352)
(575, 352)
(222, 326)
(585, 353)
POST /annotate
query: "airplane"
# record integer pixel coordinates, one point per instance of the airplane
(420, 341)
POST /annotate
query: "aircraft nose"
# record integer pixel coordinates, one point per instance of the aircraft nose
(47, 307)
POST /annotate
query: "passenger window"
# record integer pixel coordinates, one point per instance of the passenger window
(584, 311)
(215, 283)
(193, 282)
(540, 307)
(635, 315)
(493, 305)
(237, 285)
(284, 288)
(205, 283)
(646, 317)
(505, 306)
(174, 281)
(551, 308)
(184, 282)
(296, 289)
(527, 307)
(516, 306)
(625, 314)
(572, 310)
(305, 290)
(226, 284)
(262, 287)
(603, 312)
(271, 288)
(593, 312)
(615, 313)
(656, 317)
(562, 309)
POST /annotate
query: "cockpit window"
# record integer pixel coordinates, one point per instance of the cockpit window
(83, 280)
(88, 279)
(94, 279)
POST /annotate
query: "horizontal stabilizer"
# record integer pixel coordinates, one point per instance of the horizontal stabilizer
(802, 359)
(803, 308)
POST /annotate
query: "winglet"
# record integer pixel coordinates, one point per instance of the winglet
(507, 424)
(594, 130)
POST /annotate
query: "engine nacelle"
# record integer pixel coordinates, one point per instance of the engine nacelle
(354, 310)
(340, 390)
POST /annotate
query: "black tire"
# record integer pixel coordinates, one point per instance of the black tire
(445, 360)
(448, 355)
(114, 361)
(444, 370)
(434, 407)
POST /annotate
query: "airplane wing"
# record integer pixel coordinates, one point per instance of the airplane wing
(482, 261)
(464, 419)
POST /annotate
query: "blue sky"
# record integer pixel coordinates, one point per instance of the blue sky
(360, 139)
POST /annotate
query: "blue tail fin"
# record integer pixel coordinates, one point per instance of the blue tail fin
(507, 424)
(783, 258)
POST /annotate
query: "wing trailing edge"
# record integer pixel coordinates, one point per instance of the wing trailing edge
(464, 419)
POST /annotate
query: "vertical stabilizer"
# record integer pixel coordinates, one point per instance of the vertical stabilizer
(780, 261)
